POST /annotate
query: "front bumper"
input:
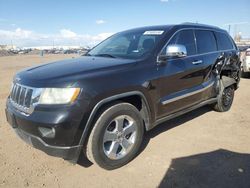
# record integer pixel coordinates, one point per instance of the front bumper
(67, 153)
(65, 121)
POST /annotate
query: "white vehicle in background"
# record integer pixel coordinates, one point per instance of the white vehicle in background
(246, 63)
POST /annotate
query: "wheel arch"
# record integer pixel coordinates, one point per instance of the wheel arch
(228, 81)
(123, 97)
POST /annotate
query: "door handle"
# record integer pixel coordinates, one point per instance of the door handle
(197, 62)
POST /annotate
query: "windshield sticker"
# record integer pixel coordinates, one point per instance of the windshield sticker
(155, 32)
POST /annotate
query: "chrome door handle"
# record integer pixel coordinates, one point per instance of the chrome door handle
(197, 62)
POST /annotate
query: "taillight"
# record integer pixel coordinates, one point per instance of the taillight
(247, 53)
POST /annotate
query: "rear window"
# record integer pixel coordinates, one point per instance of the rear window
(223, 41)
(205, 41)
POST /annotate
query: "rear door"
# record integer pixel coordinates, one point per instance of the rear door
(208, 55)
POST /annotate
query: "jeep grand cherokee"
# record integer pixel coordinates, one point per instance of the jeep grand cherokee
(102, 103)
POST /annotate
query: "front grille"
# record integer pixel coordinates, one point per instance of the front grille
(21, 97)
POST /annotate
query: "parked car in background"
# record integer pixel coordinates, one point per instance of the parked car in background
(70, 51)
(245, 66)
(102, 103)
(243, 48)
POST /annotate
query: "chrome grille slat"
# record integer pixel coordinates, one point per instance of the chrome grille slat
(21, 98)
(22, 93)
(25, 95)
(14, 92)
(16, 95)
(19, 95)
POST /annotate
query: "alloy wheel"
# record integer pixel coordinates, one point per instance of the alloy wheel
(119, 137)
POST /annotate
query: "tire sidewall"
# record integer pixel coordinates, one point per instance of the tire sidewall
(221, 103)
(100, 127)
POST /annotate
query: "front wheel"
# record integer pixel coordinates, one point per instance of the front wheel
(116, 136)
(225, 99)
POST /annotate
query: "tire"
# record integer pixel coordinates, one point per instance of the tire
(225, 99)
(111, 144)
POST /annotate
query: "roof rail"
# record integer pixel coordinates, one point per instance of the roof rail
(198, 24)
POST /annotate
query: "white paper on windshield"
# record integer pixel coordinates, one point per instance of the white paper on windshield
(153, 32)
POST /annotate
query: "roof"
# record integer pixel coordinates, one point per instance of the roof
(199, 25)
(178, 26)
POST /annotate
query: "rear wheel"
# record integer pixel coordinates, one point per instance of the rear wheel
(116, 136)
(225, 99)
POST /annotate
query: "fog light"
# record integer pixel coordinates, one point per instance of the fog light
(47, 132)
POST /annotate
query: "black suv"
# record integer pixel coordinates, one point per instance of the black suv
(102, 103)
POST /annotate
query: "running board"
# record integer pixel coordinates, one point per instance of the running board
(179, 113)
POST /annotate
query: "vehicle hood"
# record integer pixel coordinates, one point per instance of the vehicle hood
(75, 67)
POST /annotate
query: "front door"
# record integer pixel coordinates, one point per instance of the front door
(181, 78)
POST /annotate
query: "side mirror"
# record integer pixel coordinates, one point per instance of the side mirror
(172, 50)
(176, 50)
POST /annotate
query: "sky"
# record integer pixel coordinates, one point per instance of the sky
(73, 22)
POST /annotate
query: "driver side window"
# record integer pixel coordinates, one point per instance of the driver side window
(186, 38)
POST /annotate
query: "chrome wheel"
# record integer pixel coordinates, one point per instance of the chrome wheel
(119, 137)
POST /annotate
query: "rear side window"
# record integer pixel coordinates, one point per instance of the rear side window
(185, 38)
(205, 41)
(223, 41)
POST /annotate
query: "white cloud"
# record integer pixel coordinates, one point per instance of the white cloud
(67, 33)
(100, 22)
(164, 1)
(16, 34)
(25, 38)
(101, 36)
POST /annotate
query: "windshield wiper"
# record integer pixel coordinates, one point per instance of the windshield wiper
(105, 55)
(87, 54)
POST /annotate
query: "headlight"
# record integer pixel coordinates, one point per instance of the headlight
(58, 95)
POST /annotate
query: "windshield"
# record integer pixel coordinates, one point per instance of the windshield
(131, 45)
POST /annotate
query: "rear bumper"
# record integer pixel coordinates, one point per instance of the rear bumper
(246, 69)
(246, 66)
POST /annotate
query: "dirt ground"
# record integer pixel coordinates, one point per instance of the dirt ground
(200, 149)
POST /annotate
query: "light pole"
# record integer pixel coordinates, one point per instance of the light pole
(235, 26)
